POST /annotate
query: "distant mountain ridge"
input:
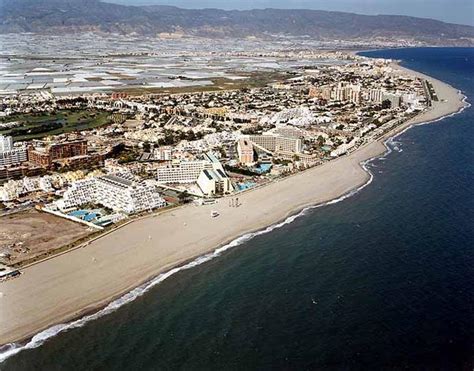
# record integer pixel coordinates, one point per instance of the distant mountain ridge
(53, 16)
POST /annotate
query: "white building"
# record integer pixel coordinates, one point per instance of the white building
(287, 131)
(375, 95)
(345, 92)
(187, 171)
(114, 192)
(11, 190)
(79, 193)
(14, 157)
(121, 194)
(276, 143)
(343, 148)
(208, 173)
(6, 143)
(181, 171)
(9, 155)
(214, 182)
(163, 153)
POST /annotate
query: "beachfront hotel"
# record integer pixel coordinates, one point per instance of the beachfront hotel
(214, 182)
(181, 171)
(208, 173)
(115, 192)
(245, 151)
(276, 143)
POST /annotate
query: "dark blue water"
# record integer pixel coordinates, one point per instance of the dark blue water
(382, 280)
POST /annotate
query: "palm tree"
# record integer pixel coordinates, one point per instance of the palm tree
(184, 197)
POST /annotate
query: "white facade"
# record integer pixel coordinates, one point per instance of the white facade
(276, 143)
(209, 174)
(182, 171)
(214, 182)
(13, 157)
(9, 155)
(375, 95)
(343, 148)
(6, 143)
(121, 194)
(114, 192)
(79, 193)
(187, 171)
(288, 131)
(345, 92)
(11, 190)
(163, 154)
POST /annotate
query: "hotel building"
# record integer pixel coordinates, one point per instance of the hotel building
(214, 182)
(181, 171)
(114, 192)
(276, 143)
(245, 151)
(208, 173)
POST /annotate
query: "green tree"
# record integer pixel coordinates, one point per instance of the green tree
(184, 197)
(386, 104)
(146, 147)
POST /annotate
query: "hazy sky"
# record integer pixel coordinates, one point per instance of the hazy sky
(455, 11)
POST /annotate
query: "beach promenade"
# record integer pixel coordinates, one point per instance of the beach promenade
(85, 279)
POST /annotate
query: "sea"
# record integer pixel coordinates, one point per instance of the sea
(381, 280)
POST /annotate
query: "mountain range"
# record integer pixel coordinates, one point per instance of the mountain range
(55, 16)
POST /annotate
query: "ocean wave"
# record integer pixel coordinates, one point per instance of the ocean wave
(11, 349)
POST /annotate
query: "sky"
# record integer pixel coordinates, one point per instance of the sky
(454, 11)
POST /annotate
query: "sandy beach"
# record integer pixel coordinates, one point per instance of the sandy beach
(85, 279)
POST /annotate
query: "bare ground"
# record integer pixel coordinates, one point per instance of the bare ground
(29, 234)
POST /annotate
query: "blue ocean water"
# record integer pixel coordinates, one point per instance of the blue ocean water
(382, 280)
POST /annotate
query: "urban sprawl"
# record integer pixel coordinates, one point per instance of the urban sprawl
(100, 158)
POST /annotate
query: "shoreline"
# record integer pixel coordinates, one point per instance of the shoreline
(71, 285)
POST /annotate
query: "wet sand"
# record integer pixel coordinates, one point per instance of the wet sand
(82, 280)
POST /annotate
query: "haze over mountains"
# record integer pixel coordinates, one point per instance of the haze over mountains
(53, 16)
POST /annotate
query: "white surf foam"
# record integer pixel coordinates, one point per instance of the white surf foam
(11, 349)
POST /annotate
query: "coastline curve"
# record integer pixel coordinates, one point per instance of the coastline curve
(11, 349)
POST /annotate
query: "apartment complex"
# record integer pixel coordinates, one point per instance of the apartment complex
(43, 154)
(288, 131)
(163, 153)
(115, 192)
(276, 143)
(10, 155)
(375, 95)
(343, 92)
(379, 95)
(73, 154)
